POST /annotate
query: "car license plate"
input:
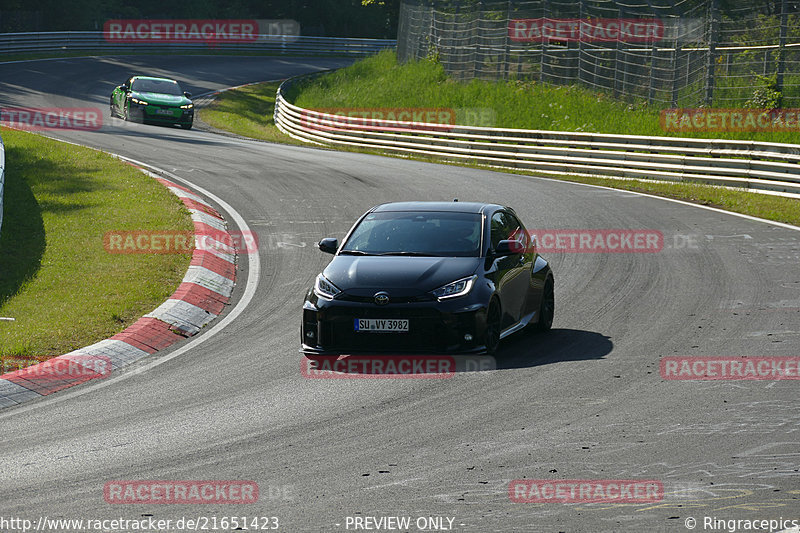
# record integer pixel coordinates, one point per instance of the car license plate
(381, 325)
(164, 111)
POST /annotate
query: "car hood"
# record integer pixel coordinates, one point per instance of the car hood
(399, 276)
(161, 99)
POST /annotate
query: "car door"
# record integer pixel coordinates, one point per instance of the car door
(122, 95)
(509, 273)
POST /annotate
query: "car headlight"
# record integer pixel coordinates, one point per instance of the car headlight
(456, 288)
(187, 106)
(137, 101)
(324, 288)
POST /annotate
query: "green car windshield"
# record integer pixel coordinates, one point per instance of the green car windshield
(157, 86)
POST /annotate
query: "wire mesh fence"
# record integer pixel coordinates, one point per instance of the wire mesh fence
(724, 53)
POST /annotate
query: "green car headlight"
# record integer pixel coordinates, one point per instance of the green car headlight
(137, 101)
(187, 106)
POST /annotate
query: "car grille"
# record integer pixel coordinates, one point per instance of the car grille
(425, 331)
(156, 108)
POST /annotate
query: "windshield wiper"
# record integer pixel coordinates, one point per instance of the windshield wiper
(354, 252)
(416, 254)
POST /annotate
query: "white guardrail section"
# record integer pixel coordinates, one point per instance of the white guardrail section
(772, 168)
(2, 179)
(65, 41)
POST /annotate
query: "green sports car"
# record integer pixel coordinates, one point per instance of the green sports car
(157, 100)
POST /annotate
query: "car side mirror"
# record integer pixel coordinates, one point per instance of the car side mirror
(508, 248)
(329, 245)
(187, 95)
(124, 88)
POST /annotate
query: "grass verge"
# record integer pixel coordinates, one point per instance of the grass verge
(247, 111)
(379, 81)
(56, 279)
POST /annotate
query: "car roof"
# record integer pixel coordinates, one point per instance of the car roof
(151, 78)
(455, 207)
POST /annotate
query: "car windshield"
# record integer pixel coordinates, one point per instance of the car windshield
(444, 234)
(157, 86)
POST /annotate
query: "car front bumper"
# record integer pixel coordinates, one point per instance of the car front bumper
(149, 113)
(454, 326)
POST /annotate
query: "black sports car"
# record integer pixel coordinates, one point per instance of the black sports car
(432, 277)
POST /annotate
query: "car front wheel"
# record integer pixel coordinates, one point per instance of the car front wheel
(493, 324)
(547, 307)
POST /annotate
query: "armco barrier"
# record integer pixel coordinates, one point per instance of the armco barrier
(67, 41)
(762, 167)
(2, 179)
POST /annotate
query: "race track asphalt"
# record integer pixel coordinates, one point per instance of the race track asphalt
(585, 401)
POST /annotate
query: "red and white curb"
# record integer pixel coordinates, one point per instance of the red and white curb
(200, 298)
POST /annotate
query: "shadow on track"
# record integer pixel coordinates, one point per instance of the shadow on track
(525, 350)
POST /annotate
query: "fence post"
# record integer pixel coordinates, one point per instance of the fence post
(676, 71)
(782, 45)
(477, 48)
(651, 93)
(507, 55)
(712, 52)
(544, 46)
(581, 14)
(616, 62)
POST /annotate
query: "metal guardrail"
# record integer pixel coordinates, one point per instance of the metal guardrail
(2, 179)
(21, 43)
(762, 167)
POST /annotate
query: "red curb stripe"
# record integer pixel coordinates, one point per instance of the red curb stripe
(38, 378)
(47, 387)
(202, 297)
(206, 259)
(168, 183)
(205, 208)
(201, 228)
(148, 334)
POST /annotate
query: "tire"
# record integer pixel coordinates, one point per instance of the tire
(494, 319)
(111, 108)
(187, 126)
(547, 307)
